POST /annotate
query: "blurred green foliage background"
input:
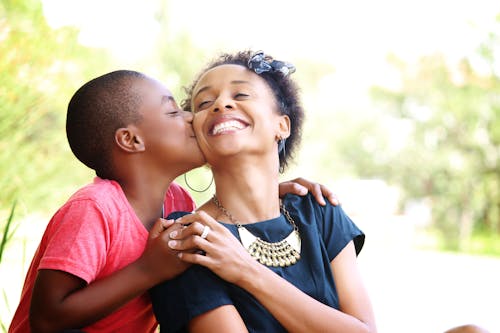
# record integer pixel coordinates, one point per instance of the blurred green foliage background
(446, 153)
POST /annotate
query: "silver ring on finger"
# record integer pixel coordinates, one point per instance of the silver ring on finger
(206, 230)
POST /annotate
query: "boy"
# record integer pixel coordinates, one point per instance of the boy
(90, 271)
(95, 260)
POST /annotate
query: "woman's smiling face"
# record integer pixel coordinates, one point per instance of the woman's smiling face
(236, 111)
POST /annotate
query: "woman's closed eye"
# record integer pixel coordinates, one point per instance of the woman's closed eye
(203, 104)
(240, 96)
(207, 103)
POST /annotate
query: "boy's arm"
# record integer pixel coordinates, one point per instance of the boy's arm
(301, 186)
(64, 301)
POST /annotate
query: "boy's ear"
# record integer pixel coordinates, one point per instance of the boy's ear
(128, 139)
(284, 127)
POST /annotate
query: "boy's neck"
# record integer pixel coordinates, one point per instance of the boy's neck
(146, 198)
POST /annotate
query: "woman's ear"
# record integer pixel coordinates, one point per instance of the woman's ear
(129, 140)
(284, 127)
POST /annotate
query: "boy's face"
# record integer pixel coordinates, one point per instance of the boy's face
(167, 130)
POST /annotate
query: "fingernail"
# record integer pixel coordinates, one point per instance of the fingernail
(172, 243)
(173, 234)
(166, 223)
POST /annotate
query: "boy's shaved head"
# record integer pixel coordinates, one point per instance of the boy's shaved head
(96, 111)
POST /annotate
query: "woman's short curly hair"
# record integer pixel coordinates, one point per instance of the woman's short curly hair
(285, 91)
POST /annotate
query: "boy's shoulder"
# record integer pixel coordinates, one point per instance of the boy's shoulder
(108, 196)
(102, 194)
(101, 190)
(101, 203)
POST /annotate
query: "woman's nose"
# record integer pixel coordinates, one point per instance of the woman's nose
(222, 104)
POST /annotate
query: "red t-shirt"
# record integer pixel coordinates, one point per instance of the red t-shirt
(94, 234)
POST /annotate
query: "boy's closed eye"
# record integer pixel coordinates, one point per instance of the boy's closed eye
(174, 113)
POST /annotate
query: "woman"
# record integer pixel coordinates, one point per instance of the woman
(247, 121)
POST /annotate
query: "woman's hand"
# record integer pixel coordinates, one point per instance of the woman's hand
(219, 250)
(301, 186)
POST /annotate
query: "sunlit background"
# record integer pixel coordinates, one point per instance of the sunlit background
(403, 123)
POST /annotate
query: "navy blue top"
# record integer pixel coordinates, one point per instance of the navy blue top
(324, 230)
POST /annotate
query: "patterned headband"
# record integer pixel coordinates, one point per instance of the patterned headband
(261, 63)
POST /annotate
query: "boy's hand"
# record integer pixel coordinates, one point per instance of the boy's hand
(301, 186)
(158, 258)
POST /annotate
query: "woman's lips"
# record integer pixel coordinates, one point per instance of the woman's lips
(226, 125)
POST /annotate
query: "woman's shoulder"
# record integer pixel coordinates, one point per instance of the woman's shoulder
(335, 226)
(308, 203)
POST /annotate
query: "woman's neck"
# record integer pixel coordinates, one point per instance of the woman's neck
(249, 194)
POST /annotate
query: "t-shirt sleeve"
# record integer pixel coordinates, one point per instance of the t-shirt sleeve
(178, 301)
(338, 230)
(79, 240)
(178, 199)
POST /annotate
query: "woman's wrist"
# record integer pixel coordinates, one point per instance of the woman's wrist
(253, 277)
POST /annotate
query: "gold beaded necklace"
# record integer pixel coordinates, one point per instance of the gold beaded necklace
(285, 252)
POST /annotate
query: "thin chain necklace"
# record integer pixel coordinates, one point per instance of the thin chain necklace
(285, 252)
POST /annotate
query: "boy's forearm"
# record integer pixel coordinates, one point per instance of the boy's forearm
(88, 303)
(61, 300)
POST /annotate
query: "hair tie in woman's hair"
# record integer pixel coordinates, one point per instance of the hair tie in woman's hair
(261, 63)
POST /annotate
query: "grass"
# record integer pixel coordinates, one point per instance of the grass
(7, 234)
(485, 244)
(481, 243)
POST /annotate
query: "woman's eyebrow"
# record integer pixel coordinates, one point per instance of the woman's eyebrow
(202, 89)
(239, 82)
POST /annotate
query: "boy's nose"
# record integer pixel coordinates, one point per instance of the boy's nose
(188, 115)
